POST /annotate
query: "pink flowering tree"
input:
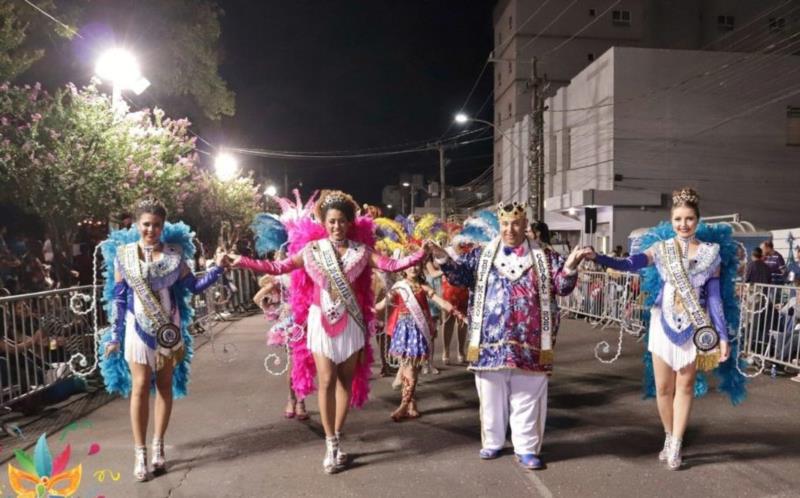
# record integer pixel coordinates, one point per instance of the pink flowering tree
(68, 156)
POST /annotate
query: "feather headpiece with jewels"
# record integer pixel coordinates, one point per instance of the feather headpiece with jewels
(405, 235)
(511, 212)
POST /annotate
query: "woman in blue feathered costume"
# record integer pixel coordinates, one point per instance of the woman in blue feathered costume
(703, 257)
(145, 345)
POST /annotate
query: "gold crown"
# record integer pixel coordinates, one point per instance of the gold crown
(685, 196)
(511, 212)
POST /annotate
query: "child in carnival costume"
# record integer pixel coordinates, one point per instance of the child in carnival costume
(147, 294)
(331, 259)
(689, 273)
(411, 327)
(271, 237)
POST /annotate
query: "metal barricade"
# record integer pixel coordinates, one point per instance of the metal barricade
(40, 334)
(770, 329)
(42, 331)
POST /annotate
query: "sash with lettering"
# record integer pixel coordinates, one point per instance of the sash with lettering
(706, 339)
(410, 300)
(327, 260)
(166, 334)
(543, 279)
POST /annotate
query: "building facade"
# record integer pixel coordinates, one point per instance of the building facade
(565, 37)
(638, 123)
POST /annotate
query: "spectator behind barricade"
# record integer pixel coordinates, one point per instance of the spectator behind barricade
(757, 271)
(62, 272)
(47, 251)
(34, 275)
(787, 342)
(775, 262)
(125, 221)
(617, 253)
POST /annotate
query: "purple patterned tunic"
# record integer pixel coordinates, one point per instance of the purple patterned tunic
(511, 335)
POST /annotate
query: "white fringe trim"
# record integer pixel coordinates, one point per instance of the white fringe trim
(659, 344)
(337, 349)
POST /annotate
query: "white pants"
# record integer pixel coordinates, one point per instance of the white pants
(515, 397)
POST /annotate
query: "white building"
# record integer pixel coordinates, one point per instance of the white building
(566, 37)
(638, 123)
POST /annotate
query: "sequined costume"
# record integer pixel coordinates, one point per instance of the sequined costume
(510, 375)
(410, 344)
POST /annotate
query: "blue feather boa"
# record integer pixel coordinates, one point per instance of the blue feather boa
(115, 371)
(731, 381)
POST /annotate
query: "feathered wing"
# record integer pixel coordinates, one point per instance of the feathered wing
(270, 233)
(731, 381)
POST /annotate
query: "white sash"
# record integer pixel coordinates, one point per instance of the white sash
(410, 300)
(679, 279)
(325, 256)
(543, 279)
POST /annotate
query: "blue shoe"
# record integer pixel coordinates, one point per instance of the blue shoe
(530, 461)
(487, 454)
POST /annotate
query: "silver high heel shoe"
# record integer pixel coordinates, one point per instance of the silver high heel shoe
(674, 460)
(662, 457)
(140, 463)
(341, 456)
(159, 463)
(331, 448)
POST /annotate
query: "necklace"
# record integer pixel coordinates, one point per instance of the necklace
(339, 243)
(147, 251)
(685, 242)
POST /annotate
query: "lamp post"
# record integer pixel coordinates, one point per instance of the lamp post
(226, 166)
(119, 67)
(462, 119)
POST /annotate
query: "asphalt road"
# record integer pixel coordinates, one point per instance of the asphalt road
(229, 437)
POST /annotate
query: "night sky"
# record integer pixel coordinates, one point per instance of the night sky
(336, 75)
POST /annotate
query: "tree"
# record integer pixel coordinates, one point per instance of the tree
(68, 156)
(177, 42)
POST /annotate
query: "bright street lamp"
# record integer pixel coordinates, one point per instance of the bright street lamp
(120, 68)
(461, 118)
(406, 184)
(226, 166)
(271, 190)
(388, 206)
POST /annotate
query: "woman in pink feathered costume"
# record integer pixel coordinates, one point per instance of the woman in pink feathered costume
(336, 334)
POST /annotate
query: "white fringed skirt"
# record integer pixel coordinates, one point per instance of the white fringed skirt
(337, 349)
(659, 344)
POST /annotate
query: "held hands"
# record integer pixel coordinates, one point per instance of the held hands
(222, 259)
(577, 255)
(434, 249)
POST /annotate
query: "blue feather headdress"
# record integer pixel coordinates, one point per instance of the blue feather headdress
(731, 381)
(479, 229)
(270, 233)
(114, 369)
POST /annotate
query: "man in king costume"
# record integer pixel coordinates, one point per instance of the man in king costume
(513, 322)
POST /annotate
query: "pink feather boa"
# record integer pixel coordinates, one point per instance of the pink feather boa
(301, 232)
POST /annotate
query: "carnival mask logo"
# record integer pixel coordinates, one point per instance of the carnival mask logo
(41, 476)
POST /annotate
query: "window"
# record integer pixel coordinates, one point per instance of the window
(499, 78)
(510, 22)
(499, 119)
(793, 125)
(510, 110)
(499, 38)
(726, 23)
(509, 67)
(590, 56)
(621, 17)
(777, 24)
(592, 13)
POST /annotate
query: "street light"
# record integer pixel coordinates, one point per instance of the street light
(388, 206)
(271, 190)
(226, 166)
(119, 67)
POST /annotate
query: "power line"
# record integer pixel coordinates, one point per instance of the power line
(564, 11)
(584, 28)
(51, 17)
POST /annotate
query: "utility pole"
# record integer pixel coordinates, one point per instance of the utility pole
(442, 189)
(285, 182)
(536, 148)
